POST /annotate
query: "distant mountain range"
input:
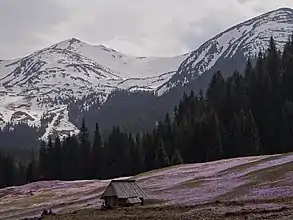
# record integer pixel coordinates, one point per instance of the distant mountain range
(54, 88)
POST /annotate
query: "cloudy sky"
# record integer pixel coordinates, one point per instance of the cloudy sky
(135, 27)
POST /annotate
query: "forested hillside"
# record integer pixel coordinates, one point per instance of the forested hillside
(244, 115)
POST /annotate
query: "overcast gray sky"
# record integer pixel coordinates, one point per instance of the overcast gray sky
(135, 27)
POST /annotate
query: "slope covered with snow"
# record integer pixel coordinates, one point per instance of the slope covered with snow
(126, 66)
(234, 45)
(38, 88)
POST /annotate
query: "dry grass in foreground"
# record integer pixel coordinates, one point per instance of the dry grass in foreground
(209, 211)
(262, 184)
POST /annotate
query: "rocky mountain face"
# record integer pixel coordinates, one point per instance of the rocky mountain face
(56, 86)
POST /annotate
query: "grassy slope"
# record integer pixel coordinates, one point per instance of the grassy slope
(265, 181)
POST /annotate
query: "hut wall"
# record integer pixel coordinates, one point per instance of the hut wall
(111, 201)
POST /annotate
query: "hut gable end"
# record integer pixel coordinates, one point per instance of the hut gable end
(109, 191)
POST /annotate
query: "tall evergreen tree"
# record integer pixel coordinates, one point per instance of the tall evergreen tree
(85, 157)
(286, 144)
(31, 171)
(97, 154)
(176, 158)
(161, 159)
(135, 163)
(216, 92)
(57, 166)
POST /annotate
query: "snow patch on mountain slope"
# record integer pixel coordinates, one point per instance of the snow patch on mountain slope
(246, 39)
(147, 83)
(38, 88)
(126, 66)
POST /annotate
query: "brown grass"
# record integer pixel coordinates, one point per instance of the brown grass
(30, 200)
(270, 177)
(154, 171)
(272, 173)
(247, 165)
(190, 184)
(209, 211)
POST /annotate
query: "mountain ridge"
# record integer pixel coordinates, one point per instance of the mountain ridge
(245, 39)
(41, 85)
(37, 89)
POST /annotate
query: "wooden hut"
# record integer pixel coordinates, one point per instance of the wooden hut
(123, 193)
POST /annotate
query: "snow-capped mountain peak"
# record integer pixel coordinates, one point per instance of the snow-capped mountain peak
(236, 43)
(77, 45)
(69, 44)
(37, 89)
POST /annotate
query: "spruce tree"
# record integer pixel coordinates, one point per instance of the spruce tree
(287, 128)
(31, 174)
(8, 170)
(176, 158)
(149, 151)
(135, 163)
(161, 159)
(96, 156)
(216, 92)
(42, 165)
(251, 139)
(287, 75)
(85, 157)
(213, 144)
(57, 166)
(248, 73)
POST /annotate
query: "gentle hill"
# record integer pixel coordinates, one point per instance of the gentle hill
(264, 181)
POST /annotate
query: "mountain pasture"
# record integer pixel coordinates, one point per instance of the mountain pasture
(234, 188)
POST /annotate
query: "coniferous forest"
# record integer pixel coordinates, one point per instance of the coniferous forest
(247, 114)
